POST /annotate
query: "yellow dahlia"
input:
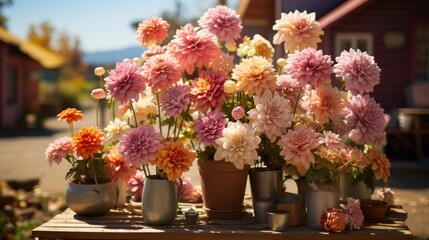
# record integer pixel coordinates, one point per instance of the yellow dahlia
(174, 159)
(255, 75)
(88, 142)
(262, 47)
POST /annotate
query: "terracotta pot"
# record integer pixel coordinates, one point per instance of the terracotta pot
(373, 210)
(223, 188)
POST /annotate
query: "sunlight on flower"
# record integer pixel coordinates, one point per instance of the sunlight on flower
(152, 31)
(325, 103)
(88, 142)
(380, 165)
(70, 115)
(117, 167)
(58, 150)
(161, 71)
(262, 47)
(207, 91)
(223, 22)
(116, 129)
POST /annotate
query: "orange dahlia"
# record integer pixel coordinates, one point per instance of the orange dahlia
(88, 142)
(380, 165)
(70, 115)
(174, 159)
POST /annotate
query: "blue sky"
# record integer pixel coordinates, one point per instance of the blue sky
(100, 24)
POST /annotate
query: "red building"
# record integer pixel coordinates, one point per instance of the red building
(21, 63)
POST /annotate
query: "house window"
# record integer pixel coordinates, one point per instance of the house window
(422, 52)
(345, 41)
(12, 85)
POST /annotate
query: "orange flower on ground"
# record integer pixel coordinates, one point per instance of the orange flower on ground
(380, 165)
(88, 142)
(174, 159)
(70, 115)
(333, 220)
(255, 75)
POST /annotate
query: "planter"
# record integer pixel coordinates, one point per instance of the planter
(320, 197)
(292, 203)
(348, 189)
(223, 187)
(91, 199)
(159, 201)
(266, 187)
(373, 210)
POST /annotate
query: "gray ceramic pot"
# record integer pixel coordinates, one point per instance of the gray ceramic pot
(318, 199)
(348, 189)
(91, 199)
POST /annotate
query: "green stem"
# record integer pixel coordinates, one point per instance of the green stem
(134, 113)
(101, 81)
(159, 113)
(113, 109)
(71, 129)
(96, 112)
(296, 103)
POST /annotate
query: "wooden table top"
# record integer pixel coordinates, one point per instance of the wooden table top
(126, 224)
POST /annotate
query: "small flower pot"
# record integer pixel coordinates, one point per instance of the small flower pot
(373, 210)
(278, 220)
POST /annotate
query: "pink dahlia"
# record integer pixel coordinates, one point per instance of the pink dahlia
(298, 30)
(288, 87)
(310, 66)
(190, 193)
(297, 145)
(332, 141)
(365, 119)
(326, 103)
(140, 145)
(135, 185)
(152, 51)
(152, 31)
(209, 128)
(208, 91)
(58, 150)
(223, 22)
(125, 82)
(174, 101)
(224, 64)
(354, 215)
(193, 48)
(161, 72)
(361, 73)
(271, 115)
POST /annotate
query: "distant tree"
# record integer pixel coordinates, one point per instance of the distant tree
(3, 19)
(42, 35)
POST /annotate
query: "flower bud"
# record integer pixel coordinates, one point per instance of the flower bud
(230, 45)
(138, 61)
(229, 86)
(99, 71)
(355, 135)
(281, 62)
(238, 112)
(98, 93)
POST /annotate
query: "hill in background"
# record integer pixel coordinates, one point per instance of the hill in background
(112, 56)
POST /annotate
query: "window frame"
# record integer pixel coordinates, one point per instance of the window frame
(353, 38)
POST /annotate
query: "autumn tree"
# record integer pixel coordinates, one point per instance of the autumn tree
(3, 19)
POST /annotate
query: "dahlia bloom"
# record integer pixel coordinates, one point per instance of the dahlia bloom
(152, 31)
(361, 73)
(325, 103)
(58, 150)
(161, 72)
(125, 82)
(310, 66)
(271, 115)
(135, 185)
(115, 129)
(117, 167)
(70, 115)
(208, 91)
(288, 87)
(354, 215)
(193, 48)
(174, 159)
(210, 127)
(333, 220)
(297, 145)
(140, 145)
(238, 112)
(365, 119)
(255, 75)
(88, 142)
(297, 30)
(190, 192)
(174, 101)
(352, 157)
(223, 22)
(224, 64)
(262, 47)
(238, 145)
(142, 108)
(386, 194)
(380, 164)
(152, 51)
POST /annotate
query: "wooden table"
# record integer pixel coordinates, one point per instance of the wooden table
(123, 224)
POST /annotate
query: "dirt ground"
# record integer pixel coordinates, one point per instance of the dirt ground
(22, 157)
